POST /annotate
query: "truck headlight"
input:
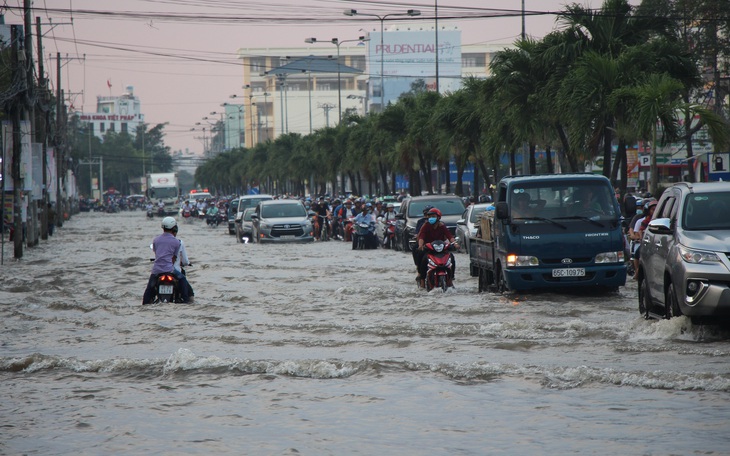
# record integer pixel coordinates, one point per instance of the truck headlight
(610, 257)
(521, 260)
(697, 256)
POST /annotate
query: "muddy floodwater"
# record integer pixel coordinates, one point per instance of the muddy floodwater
(320, 350)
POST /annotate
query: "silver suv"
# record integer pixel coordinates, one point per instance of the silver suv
(281, 221)
(684, 267)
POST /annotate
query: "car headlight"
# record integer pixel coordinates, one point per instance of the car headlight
(265, 225)
(697, 256)
(610, 257)
(521, 260)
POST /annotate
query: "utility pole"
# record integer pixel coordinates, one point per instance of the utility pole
(32, 232)
(59, 142)
(18, 76)
(326, 107)
(42, 132)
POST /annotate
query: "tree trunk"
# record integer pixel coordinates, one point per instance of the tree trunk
(549, 160)
(607, 152)
(533, 162)
(512, 163)
(384, 178)
(426, 172)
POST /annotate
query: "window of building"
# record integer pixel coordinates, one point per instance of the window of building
(358, 61)
(324, 86)
(102, 127)
(124, 127)
(473, 60)
(112, 127)
(258, 64)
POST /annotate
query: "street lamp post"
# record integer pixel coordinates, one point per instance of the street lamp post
(411, 12)
(240, 113)
(266, 115)
(222, 130)
(337, 43)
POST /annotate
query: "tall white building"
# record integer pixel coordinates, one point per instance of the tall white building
(120, 114)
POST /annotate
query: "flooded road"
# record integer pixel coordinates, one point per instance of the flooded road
(319, 350)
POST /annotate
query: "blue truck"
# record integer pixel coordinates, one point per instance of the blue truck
(551, 231)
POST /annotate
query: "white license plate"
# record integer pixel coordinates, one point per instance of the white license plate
(569, 272)
(165, 289)
(287, 236)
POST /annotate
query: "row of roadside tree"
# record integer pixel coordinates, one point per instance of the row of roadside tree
(604, 80)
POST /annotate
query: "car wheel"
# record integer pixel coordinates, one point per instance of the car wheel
(671, 304)
(644, 299)
(482, 284)
(500, 283)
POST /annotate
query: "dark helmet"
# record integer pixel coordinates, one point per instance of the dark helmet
(427, 208)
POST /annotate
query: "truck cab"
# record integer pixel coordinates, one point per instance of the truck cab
(553, 231)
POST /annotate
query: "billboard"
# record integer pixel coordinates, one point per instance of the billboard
(404, 56)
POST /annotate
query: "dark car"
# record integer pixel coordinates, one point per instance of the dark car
(411, 210)
(232, 210)
(684, 267)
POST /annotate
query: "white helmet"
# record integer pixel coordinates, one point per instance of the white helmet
(168, 223)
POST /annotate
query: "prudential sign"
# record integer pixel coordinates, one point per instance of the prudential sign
(411, 55)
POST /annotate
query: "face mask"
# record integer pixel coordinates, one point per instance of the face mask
(432, 220)
(639, 211)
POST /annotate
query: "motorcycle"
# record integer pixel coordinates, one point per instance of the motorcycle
(439, 265)
(212, 219)
(166, 289)
(161, 211)
(150, 213)
(361, 232)
(187, 215)
(348, 228)
(389, 235)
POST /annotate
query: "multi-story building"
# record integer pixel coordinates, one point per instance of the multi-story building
(284, 89)
(120, 114)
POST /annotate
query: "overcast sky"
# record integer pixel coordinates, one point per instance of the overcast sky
(180, 55)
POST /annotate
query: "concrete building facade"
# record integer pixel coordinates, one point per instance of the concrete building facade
(272, 105)
(120, 114)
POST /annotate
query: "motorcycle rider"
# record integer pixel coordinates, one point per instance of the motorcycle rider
(346, 211)
(366, 216)
(389, 213)
(180, 261)
(320, 208)
(433, 230)
(150, 208)
(187, 207)
(386, 216)
(419, 225)
(166, 248)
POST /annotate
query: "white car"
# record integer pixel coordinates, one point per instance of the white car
(466, 227)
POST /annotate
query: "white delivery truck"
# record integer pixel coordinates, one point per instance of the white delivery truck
(165, 187)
